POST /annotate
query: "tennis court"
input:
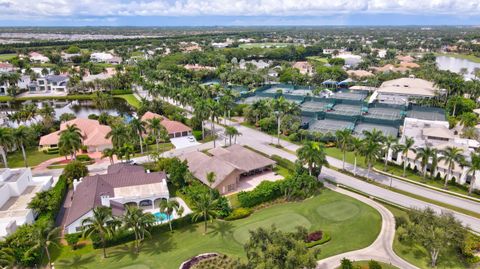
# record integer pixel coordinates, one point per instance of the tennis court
(311, 106)
(348, 95)
(426, 113)
(384, 113)
(330, 126)
(252, 99)
(348, 110)
(385, 129)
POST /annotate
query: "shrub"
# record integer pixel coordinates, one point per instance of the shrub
(346, 264)
(374, 265)
(400, 222)
(72, 239)
(120, 92)
(239, 213)
(264, 192)
(325, 238)
(223, 207)
(197, 135)
(83, 158)
(315, 236)
(283, 162)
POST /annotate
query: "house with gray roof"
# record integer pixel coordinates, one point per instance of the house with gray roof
(50, 83)
(124, 184)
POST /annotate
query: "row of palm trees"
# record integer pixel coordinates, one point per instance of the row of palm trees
(375, 146)
(15, 138)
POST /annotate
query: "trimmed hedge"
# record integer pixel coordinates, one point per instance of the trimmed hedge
(239, 213)
(120, 92)
(283, 162)
(264, 192)
(325, 238)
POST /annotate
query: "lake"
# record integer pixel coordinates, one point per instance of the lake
(81, 108)
(455, 64)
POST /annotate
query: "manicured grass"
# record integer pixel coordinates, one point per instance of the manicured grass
(7, 57)
(34, 157)
(364, 265)
(469, 57)
(318, 59)
(417, 255)
(354, 226)
(131, 100)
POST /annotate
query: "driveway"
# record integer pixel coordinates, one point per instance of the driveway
(250, 182)
(184, 142)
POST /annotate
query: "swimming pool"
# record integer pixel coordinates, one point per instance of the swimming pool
(160, 217)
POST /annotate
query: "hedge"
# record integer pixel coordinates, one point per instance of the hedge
(264, 192)
(284, 162)
(120, 92)
(239, 213)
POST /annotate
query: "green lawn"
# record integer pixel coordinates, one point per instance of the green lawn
(131, 100)
(318, 59)
(34, 157)
(7, 57)
(417, 255)
(364, 265)
(352, 225)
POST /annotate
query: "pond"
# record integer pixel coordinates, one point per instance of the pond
(456, 64)
(81, 108)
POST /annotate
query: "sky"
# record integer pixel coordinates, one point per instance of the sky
(237, 12)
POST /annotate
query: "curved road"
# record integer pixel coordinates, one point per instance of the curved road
(380, 250)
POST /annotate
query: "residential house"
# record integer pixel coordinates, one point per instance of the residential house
(38, 58)
(230, 165)
(123, 185)
(22, 83)
(49, 83)
(93, 135)
(67, 57)
(304, 67)
(17, 188)
(197, 67)
(6, 68)
(437, 135)
(103, 57)
(174, 128)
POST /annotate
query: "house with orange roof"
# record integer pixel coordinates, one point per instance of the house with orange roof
(93, 135)
(174, 128)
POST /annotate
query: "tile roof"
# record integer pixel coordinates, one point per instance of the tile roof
(171, 125)
(92, 131)
(87, 193)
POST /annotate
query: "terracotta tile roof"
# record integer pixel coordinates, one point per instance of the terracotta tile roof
(87, 193)
(171, 125)
(92, 131)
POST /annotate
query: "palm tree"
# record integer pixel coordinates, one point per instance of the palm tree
(451, 156)
(6, 142)
(313, 155)
(388, 143)
(474, 166)
(231, 131)
(356, 145)
(344, 138)
(372, 151)
(214, 111)
(138, 221)
(70, 140)
(404, 149)
(119, 135)
(22, 136)
(155, 126)
(424, 155)
(102, 223)
(204, 207)
(138, 127)
(200, 110)
(108, 153)
(44, 237)
(168, 207)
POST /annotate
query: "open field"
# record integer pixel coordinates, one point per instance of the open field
(352, 225)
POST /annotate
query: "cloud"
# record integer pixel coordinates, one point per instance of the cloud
(22, 9)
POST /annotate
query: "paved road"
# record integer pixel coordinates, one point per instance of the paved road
(380, 250)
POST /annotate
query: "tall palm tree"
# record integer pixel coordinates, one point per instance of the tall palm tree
(451, 156)
(214, 113)
(119, 135)
(343, 138)
(22, 136)
(424, 154)
(474, 166)
(7, 258)
(200, 110)
(6, 142)
(70, 143)
(138, 126)
(168, 207)
(102, 223)
(313, 155)
(44, 237)
(108, 153)
(155, 126)
(204, 207)
(139, 222)
(404, 148)
(388, 143)
(231, 131)
(356, 145)
(372, 151)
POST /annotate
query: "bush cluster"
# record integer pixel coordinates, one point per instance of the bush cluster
(264, 192)
(239, 213)
(314, 236)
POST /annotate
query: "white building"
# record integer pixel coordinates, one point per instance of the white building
(400, 91)
(38, 58)
(21, 83)
(103, 57)
(50, 83)
(17, 188)
(437, 135)
(261, 64)
(123, 185)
